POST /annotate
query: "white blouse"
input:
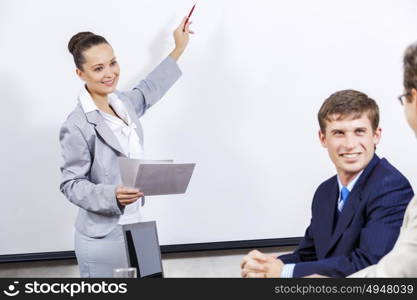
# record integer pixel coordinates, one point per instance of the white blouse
(124, 130)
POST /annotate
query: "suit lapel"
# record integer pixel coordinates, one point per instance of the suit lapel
(104, 131)
(352, 204)
(345, 217)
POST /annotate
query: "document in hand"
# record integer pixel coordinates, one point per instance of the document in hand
(156, 177)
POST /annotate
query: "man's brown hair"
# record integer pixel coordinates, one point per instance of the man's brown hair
(348, 103)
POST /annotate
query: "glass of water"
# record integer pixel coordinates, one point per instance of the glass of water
(125, 273)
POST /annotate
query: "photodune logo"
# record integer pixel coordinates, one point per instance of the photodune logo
(11, 291)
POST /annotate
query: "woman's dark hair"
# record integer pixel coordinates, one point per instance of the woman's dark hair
(83, 41)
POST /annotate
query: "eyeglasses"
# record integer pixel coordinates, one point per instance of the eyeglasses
(403, 97)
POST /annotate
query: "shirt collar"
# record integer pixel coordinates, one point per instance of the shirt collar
(88, 104)
(351, 184)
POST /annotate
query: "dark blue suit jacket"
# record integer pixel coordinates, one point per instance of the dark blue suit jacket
(365, 230)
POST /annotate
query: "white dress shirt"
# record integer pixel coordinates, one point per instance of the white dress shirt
(124, 130)
(350, 186)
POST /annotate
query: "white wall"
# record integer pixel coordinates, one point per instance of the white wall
(255, 75)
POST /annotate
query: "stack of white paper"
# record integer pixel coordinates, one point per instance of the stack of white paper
(156, 177)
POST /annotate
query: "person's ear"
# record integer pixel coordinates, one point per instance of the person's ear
(413, 96)
(80, 73)
(377, 136)
(322, 138)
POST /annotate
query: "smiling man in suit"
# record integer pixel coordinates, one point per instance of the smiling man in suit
(356, 214)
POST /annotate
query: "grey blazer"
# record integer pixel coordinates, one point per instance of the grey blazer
(90, 172)
(402, 260)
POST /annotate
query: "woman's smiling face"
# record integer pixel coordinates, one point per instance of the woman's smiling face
(100, 70)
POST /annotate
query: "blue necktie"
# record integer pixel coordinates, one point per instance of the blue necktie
(344, 194)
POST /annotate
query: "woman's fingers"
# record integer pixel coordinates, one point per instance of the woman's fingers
(184, 27)
(127, 201)
(183, 24)
(126, 195)
(126, 190)
(129, 196)
(187, 28)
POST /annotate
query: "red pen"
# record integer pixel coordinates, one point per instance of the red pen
(188, 18)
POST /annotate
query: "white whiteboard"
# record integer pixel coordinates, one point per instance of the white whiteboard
(255, 75)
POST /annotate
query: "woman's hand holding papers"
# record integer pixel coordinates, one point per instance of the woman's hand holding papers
(127, 196)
